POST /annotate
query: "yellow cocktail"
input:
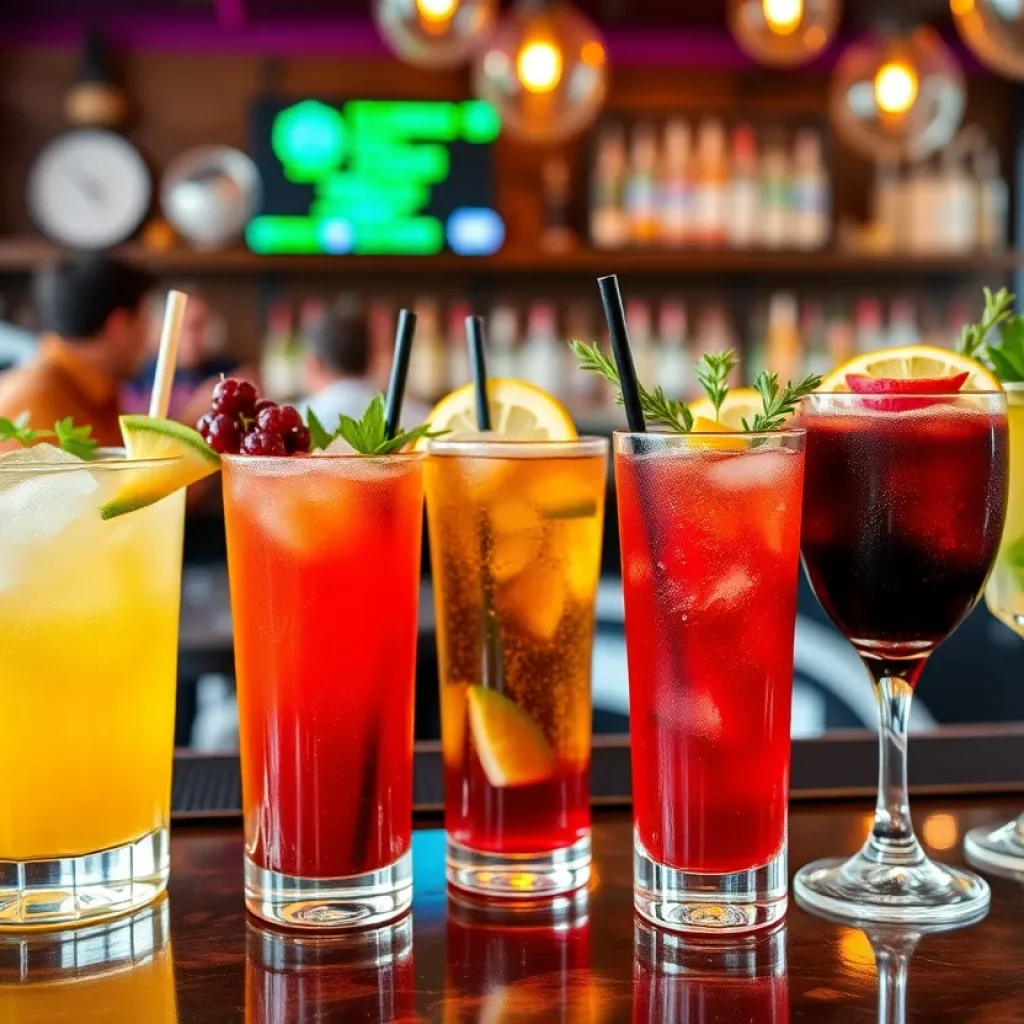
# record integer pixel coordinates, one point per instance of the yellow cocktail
(88, 663)
(1004, 594)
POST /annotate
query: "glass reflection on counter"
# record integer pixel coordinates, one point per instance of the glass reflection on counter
(292, 978)
(122, 970)
(709, 981)
(522, 961)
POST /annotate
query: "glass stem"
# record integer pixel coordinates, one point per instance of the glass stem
(892, 839)
(893, 961)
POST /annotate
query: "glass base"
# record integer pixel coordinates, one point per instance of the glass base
(89, 888)
(519, 876)
(706, 902)
(862, 889)
(999, 849)
(353, 901)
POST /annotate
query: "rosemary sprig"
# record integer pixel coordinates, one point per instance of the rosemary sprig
(656, 404)
(778, 402)
(712, 371)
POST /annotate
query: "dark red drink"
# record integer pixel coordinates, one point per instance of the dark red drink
(903, 512)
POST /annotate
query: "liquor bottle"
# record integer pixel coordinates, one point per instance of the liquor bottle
(503, 340)
(428, 365)
(540, 358)
(924, 196)
(810, 193)
(458, 349)
(279, 355)
(641, 337)
(889, 206)
(775, 219)
(641, 185)
(868, 319)
(581, 389)
(903, 328)
(672, 363)
(557, 235)
(715, 334)
(840, 339)
(993, 201)
(783, 352)
(676, 202)
(813, 329)
(711, 185)
(609, 226)
(744, 190)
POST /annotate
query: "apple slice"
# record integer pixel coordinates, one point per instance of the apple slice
(509, 743)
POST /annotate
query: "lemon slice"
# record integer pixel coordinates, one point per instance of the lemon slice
(739, 404)
(146, 437)
(910, 362)
(702, 425)
(519, 412)
(509, 743)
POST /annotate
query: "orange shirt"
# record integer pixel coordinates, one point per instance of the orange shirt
(59, 383)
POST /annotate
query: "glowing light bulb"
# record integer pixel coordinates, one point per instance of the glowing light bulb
(433, 11)
(895, 87)
(539, 66)
(783, 16)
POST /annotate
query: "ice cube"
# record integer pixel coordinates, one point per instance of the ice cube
(339, 446)
(37, 454)
(730, 588)
(750, 470)
(35, 506)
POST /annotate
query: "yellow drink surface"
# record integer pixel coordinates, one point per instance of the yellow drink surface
(88, 663)
(1004, 594)
(118, 973)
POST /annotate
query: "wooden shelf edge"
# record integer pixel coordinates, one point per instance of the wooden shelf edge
(22, 255)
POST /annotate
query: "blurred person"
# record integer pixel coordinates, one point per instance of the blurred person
(90, 309)
(337, 371)
(198, 368)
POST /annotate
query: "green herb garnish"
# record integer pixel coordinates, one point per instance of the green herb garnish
(77, 441)
(712, 371)
(367, 436)
(778, 403)
(973, 340)
(656, 404)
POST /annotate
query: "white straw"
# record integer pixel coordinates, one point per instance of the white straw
(174, 317)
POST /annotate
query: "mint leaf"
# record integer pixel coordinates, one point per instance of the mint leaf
(75, 440)
(320, 437)
(1005, 364)
(19, 430)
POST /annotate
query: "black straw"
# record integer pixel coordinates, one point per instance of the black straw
(405, 331)
(611, 299)
(478, 367)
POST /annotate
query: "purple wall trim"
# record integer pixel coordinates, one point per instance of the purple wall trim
(230, 13)
(232, 34)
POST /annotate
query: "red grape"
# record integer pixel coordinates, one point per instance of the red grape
(225, 435)
(203, 426)
(297, 439)
(234, 397)
(262, 442)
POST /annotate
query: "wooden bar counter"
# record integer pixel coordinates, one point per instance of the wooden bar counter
(195, 958)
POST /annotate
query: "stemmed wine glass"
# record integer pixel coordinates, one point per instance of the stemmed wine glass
(904, 503)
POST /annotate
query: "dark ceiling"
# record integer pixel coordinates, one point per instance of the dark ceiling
(678, 14)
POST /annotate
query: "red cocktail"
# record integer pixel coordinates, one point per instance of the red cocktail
(710, 540)
(511, 962)
(708, 982)
(902, 519)
(323, 555)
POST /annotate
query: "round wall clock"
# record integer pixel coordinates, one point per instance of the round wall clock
(89, 189)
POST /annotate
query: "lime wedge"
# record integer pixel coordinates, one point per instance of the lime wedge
(146, 437)
(511, 747)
